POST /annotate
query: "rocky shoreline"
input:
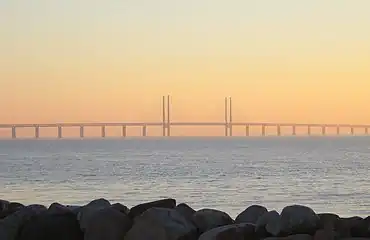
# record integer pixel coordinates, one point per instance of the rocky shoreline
(166, 220)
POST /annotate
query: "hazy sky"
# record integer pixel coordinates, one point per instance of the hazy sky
(85, 60)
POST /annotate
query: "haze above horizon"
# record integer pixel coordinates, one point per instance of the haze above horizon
(288, 61)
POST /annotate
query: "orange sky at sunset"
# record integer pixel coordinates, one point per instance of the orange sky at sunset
(113, 60)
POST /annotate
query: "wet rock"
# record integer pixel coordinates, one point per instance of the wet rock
(108, 224)
(121, 208)
(268, 224)
(162, 224)
(3, 205)
(298, 219)
(10, 225)
(292, 237)
(163, 203)
(238, 231)
(87, 211)
(185, 210)
(207, 219)
(57, 226)
(251, 214)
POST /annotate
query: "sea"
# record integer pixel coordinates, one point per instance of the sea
(328, 174)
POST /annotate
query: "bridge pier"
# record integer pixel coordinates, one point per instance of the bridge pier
(338, 130)
(14, 132)
(366, 130)
(226, 129)
(124, 132)
(60, 132)
(294, 130)
(37, 132)
(323, 130)
(263, 130)
(247, 130)
(352, 131)
(278, 130)
(82, 132)
(103, 131)
(309, 130)
(144, 130)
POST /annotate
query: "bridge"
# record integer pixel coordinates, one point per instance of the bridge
(166, 125)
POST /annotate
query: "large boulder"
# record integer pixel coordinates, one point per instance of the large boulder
(57, 208)
(10, 209)
(239, 231)
(348, 227)
(298, 219)
(10, 225)
(328, 220)
(207, 219)
(121, 208)
(292, 237)
(251, 214)
(163, 203)
(46, 226)
(88, 210)
(3, 205)
(269, 224)
(361, 228)
(108, 223)
(185, 210)
(162, 224)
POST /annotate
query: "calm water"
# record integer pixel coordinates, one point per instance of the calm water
(328, 174)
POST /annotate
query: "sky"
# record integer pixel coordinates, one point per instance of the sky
(281, 61)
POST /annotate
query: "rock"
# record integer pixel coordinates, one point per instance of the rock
(87, 211)
(3, 205)
(298, 219)
(139, 209)
(11, 208)
(251, 214)
(9, 226)
(207, 219)
(268, 224)
(292, 237)
(239, 231)
(162, 224)
(185, 210)
(328, 220)
(361, 228)
(108, 224)
(345, 226)
(121, 208)
(324, 234)
(56, 208)
(47, 226)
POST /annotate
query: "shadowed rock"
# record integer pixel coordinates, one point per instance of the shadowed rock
(162, 224)
(121, 208)
(344, 227)
(251, 214)
(57, 208)
(297, 219)
(239, 231)
(185, 210)
(269, 224)
(11, 208)
(292, 237)
(87, 211)
(328, 220)
(108, 224)
(207, 219)
(47, 226)
(164, 203)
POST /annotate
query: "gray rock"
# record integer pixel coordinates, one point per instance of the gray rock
(11, 208)
(185, 210)
(207, 219)
(57, 208)
(9, 226)
(108, 224)
(87, 211)
(163, 203)
(122, 208)
(161, 224)
(251, 214)
(298, 219)
(239, 231)
(292, 237)
(3, 205)
(269, 223)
